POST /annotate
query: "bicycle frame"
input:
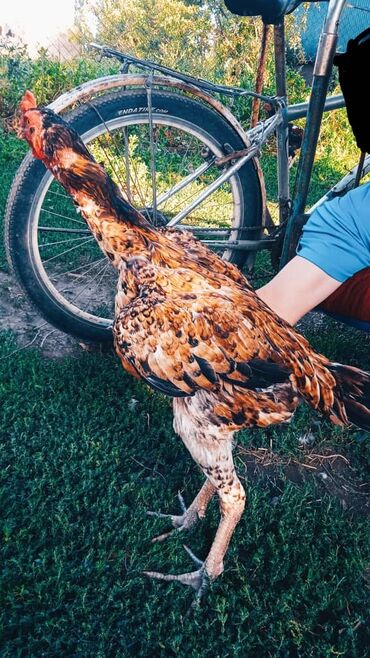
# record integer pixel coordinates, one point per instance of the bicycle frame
(290, 208)
(321, 76)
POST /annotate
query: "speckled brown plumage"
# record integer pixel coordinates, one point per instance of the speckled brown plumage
(189, 325)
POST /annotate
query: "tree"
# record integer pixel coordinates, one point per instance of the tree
(168, 31)
(200, 37)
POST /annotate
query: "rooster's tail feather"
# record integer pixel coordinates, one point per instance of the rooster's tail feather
(352, 395)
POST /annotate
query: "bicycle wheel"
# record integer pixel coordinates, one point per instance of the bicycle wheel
(49, 246)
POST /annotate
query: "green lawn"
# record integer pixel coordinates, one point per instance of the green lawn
(86, 450)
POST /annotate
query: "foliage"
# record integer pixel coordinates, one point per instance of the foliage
(168, 31)
(200, 38)
(46, 76)
(196, 36)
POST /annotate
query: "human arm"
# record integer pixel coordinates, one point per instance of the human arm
(334, 246)
(298, 288)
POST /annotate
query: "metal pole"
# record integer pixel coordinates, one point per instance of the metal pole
(282, 131)
(322, 71)
(260, 75)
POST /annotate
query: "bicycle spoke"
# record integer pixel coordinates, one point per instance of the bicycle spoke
(89, 283)
(103, 272)
(56, 229)
(186, 155)
(63, 194)
(57, 214)
(187, 210)
(101, 144)
(186, 181)
(76, 269)
(206, 192)
(183, 167)
(129, 176)
(67, 251)
(152, 147)
(127, 164)
(135, 178)
(52, 244)
(114, 166)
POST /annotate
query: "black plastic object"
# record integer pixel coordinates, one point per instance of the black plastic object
(271, 11)
(353, 67)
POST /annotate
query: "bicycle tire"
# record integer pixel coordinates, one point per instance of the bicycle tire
(22, 225)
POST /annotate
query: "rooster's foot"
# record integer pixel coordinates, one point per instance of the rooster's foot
(189, 515)
(186, 520)
(198, 579)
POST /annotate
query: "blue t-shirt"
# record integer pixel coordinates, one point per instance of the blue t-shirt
(336, 237)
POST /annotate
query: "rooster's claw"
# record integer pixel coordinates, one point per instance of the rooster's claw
(198, 579)
(187, 519)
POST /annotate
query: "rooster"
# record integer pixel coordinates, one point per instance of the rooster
(189, 325)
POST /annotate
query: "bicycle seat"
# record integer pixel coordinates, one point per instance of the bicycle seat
(271, 11)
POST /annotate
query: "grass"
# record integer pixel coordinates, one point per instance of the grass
(85, 451)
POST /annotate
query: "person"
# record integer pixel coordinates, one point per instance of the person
(334, 248)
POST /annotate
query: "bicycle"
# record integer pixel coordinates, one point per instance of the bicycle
(179, 154)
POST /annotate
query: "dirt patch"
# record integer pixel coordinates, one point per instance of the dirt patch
(18, 315)
(332, 472)
(30, 328)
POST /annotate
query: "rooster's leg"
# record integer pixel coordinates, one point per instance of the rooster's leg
(212, 449)
(232, 502)
(191, 514)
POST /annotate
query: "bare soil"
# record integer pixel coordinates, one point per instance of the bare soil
(18, 315)
(332, 472)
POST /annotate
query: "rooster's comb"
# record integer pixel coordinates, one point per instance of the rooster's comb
(28, 102)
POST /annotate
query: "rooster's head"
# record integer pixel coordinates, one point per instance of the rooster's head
(41, 128)
(31, 126)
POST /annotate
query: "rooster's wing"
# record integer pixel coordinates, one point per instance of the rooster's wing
(188, 342)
